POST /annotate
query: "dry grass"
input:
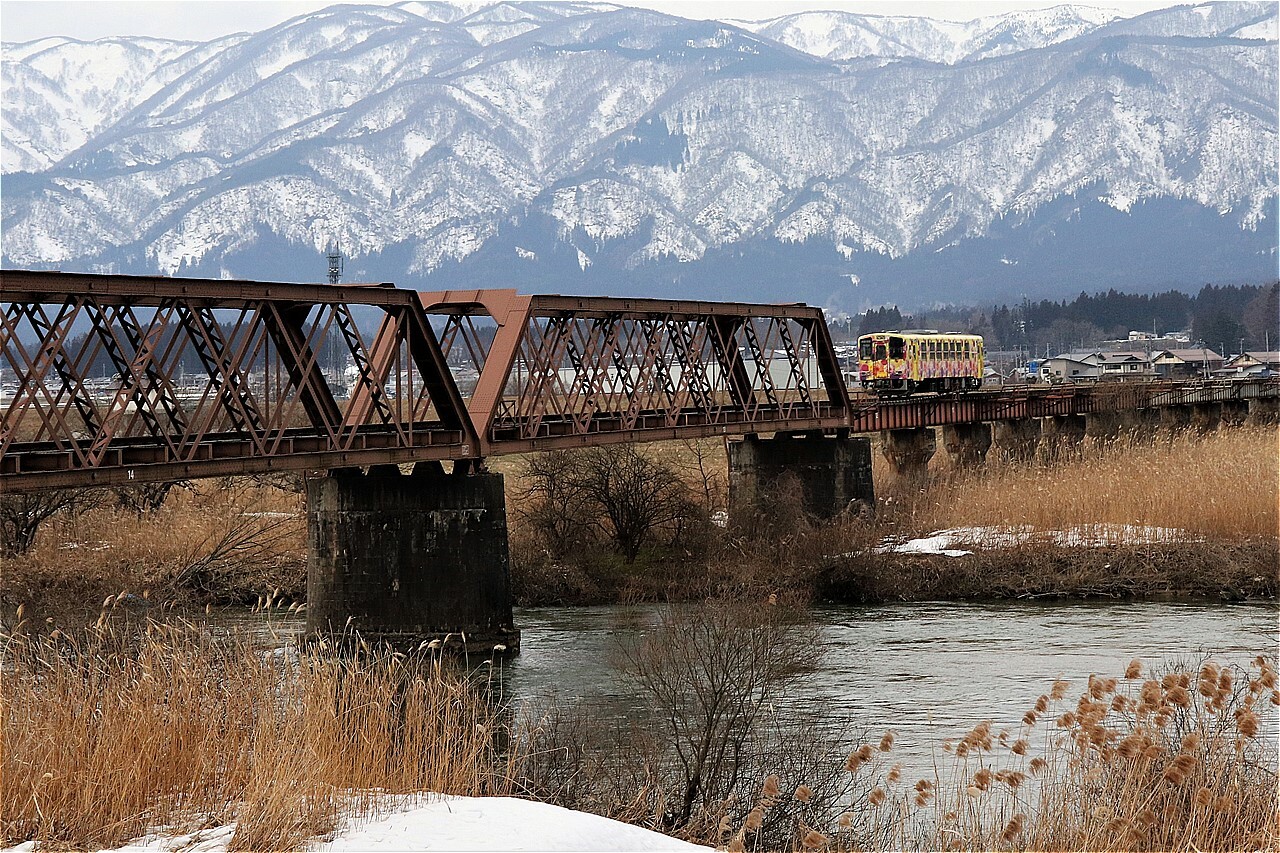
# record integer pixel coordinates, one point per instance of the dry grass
(1172, 761)
(220, 540)
(1224, 486)
(118, 732)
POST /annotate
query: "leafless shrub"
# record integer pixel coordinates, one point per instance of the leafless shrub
(21, 515)
(146, 498)
(705, 733)
(249, 539)
(616, 491)
(551, 503)
(711, 672)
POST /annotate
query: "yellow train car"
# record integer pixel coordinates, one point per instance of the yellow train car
(899, 363)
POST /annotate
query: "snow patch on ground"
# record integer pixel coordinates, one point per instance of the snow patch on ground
(430, 822)
(954, 542)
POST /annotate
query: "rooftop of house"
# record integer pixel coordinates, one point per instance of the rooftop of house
(1255, 357)
(1082, 357)
(1122, 355)
(1188, 355)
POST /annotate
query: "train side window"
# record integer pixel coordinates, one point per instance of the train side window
(896, 347)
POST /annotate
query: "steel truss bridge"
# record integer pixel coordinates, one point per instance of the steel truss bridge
(108, 380)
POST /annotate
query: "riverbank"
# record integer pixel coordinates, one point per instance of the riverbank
(1182, 571)
(239, 541)
(1192, 517)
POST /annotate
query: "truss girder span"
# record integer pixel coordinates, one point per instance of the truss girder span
(117, 379)
(568, 371)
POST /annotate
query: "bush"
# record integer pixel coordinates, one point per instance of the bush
(22, 515)
(613, 492)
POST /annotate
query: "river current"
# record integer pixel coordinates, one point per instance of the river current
(927, 671)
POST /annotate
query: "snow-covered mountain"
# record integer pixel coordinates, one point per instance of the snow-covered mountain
(592, 147)
(847, 36)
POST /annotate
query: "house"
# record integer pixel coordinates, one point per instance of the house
(1185, 363)
(1070, 367)
(1123, 365)
(1256, 363)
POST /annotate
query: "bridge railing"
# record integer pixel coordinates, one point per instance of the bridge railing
(113, 379)
(562, 371)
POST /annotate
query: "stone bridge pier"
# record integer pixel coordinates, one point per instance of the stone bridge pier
(1264, 411)
(1140, 425)
(1234, 413)
(1103, 427)
(1017, 440)
(968, 443)
(1175, 419)
(404, 558)
(909, 451)
(1205, 417)
(834, 474)
(1062, 436)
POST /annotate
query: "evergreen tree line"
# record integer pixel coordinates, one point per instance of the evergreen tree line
(1219, 317)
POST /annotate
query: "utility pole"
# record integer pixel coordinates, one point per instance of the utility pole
(335, 264)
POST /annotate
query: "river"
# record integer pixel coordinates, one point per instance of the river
(928, 671)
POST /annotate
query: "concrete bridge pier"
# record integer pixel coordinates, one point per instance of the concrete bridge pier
(967, 443)
(1062, 436)
(1264, 411)
(834, 474)
(909, 452)
(1175, 419)
(407, 558)
(1103, 427)
(1205, 417)
(1234, 413)
(1018, 440)
(1141, 425)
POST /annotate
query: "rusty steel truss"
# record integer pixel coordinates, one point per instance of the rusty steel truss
(114, 379)
(107, 380)
(565, 371)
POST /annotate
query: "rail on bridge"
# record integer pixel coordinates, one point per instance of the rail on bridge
(113, 379)
(1025, 402)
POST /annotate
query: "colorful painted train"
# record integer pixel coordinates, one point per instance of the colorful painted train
(900, 363)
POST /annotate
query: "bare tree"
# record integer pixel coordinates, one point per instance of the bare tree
(710, 473)
(634, 494)
(615, 490)
(22, 515)
(552, 502)
(712, 672)
(146, 498)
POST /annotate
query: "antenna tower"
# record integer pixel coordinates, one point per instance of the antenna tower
(335, 264)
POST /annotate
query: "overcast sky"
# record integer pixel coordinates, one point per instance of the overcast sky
(24, 20)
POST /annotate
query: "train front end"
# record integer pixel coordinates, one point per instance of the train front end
(883, 366)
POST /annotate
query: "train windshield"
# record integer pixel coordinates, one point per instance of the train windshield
(897, 348)
(864, 349)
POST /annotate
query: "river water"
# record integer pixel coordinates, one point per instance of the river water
(929, 671)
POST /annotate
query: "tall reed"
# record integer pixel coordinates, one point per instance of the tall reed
(1177, 760)
(115, 732)
(1224, 485)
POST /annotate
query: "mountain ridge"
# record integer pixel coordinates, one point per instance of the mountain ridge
(641, 139)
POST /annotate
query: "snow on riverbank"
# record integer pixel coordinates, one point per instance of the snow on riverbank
(960, 541)
(448, 823)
